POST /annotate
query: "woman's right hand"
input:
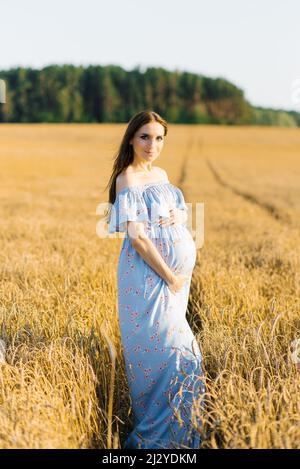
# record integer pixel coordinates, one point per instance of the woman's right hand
(177, 282)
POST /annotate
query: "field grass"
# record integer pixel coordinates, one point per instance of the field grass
(58, 306)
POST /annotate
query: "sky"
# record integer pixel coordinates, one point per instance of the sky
(255, 44)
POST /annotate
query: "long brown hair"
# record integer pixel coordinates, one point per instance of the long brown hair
(124, 155)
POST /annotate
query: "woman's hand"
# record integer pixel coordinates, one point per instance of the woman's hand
(177, 282)
(177, 215)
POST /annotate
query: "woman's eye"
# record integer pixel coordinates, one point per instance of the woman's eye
(145, 136)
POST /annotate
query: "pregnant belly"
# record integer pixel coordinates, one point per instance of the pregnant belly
(180, 254)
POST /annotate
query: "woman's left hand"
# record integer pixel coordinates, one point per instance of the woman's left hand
(177, 215)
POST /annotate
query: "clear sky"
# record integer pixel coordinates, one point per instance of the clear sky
(255, 44)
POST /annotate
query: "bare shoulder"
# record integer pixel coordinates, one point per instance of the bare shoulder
(130, 178)
(162, 172)
(124, 179)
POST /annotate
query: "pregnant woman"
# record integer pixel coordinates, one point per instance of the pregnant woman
(158, 254)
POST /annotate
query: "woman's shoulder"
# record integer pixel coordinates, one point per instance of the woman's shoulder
(123, 180)
(128, 178)
(162, 172)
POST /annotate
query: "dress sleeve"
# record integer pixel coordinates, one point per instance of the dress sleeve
(180, 202)
(128, 206)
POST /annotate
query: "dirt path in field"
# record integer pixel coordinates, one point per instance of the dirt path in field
(194, 303)
(271, 209)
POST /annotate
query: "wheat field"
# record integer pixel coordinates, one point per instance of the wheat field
(63, 382)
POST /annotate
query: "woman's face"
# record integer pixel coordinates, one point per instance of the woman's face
(148, 142)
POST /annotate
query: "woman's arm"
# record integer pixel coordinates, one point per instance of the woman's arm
(147, 250)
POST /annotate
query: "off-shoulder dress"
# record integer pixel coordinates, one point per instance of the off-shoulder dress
(162, 357)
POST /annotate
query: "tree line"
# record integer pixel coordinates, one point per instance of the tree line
(68, 93)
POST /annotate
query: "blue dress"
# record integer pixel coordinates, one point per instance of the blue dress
(162, 357)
